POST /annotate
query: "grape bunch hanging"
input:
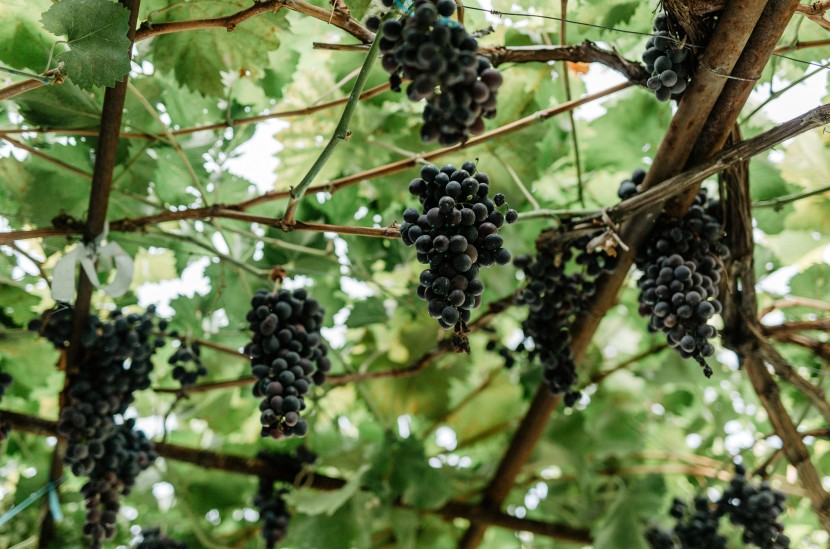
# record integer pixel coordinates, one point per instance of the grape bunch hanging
(269, 501)
(5, 426)
(288, 356)
(560, 283)
(438, 57)
(681, 264)
(456, 234)
(667, 60)
(114, 363)
(753, 508)
(154, 538)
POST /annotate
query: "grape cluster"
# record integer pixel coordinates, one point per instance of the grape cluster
(439, 57)
(288, 356)
(5, 426)
(273, 512)
(667, 60)
(456, 234)
(697, 529)
(560, 282)
(126, 453)
(154, 538)
(681, 264)
(269, 501)
(114, 363)
(182, 359)
(756, 510)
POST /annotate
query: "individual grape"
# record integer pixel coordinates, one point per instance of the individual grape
(288, 356)
(439, 57)
(458, 237)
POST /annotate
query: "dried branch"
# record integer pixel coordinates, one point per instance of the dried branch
(794, 302)
(234, 211)
(740, 334)
(337, 18)
(796, 46)
(586, 52)
(105, 160)
(745, 74)
(36, 152)
(51, 77)
(787, 372)
(733, 28)
(815, 13)
(149, 29)
(777, 203)
(263, 468)
(652, 198)
(233, 123)
(819, 348)
(418, 365)
(798, 326)
(401, 165)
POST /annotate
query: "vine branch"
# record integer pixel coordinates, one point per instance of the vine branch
(263, 468)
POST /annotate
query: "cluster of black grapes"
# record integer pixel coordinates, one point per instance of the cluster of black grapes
(681, 264)
(439, 57)
(559, 284)
(667, 60)
(154, 538)
(288, 356)
(114, 363)
(456, 234)
(696, 529)
(127, 452)
(5, 426)
(187, 364)
(754, 508)
(269, 500)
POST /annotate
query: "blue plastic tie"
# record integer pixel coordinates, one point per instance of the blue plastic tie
(54, 504)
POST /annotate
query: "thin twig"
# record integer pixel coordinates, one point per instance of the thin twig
(341, 132)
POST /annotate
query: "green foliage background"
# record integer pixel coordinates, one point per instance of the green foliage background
(610, 465)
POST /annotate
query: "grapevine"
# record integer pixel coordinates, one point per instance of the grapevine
(456, 234)
(288, 356)
(439, 58)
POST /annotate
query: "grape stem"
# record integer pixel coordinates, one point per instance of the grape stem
(341, 132)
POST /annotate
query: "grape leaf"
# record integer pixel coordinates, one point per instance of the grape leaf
(96, 32)
(23, 44)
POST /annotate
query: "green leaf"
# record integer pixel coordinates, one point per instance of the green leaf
(813, 283)
(96, 32)
(368, 311)
(318, 502)
(64, 106)
(192, 56)
(23, 43)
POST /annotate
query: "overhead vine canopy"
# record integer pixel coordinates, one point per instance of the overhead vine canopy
(364, 274)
